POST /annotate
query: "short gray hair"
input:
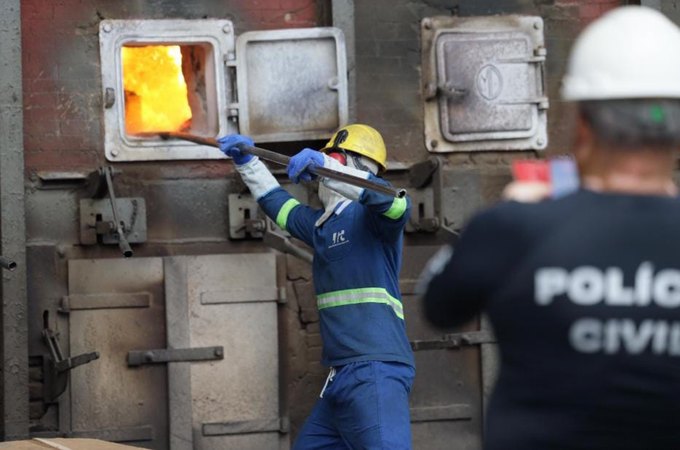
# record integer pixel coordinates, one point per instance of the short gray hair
(634, 122)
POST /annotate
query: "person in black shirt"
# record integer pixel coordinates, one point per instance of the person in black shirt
(583, 291)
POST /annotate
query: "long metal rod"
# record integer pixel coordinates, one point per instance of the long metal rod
(283, 160)
(122, 240)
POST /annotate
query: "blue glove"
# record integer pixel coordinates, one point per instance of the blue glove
(231, 146)
(299, 165)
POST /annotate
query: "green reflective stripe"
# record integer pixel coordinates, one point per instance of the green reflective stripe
(355, 296)
(397, 209)
(286, 208)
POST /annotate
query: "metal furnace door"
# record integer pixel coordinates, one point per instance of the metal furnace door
(233, 403)
(484, 83)
(292, 84)
(116, 305)
(212, 384)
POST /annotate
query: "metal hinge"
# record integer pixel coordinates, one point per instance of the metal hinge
(455, 340)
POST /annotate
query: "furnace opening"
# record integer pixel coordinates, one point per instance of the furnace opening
(167, 88)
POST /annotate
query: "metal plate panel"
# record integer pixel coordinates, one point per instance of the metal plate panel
(218, 39)
(106, 301)
(245, 385)
(106, 394)
(292, 84)
(483, 83)
(492, 70)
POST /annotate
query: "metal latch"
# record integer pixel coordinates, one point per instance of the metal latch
(246, 221)
(427, 215)
(140, 357)
(56, 370)
(275, 238)
(455, 340)
(244, 218)
(114, 220)
(447, 89)
(62, 364)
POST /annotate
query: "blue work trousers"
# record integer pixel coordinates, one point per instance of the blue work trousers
(363, 406)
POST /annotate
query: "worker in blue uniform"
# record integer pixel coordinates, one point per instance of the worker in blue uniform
(357, 241)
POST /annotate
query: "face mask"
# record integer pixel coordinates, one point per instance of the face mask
(330, 199)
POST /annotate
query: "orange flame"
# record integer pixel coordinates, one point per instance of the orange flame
(155, 89)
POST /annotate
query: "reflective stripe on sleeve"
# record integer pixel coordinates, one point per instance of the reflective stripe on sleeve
(286, 208)
(397, 208)
(356, 296)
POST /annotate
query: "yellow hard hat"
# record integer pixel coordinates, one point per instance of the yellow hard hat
(361, 139)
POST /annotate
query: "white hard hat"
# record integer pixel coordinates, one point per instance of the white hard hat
(630, 52)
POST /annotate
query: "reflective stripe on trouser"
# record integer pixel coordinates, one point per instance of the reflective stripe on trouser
(364, 406)
(356, 296)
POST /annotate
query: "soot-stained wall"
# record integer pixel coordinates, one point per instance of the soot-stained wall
(63, 131)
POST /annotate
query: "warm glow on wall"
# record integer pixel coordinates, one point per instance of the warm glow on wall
(155, 89)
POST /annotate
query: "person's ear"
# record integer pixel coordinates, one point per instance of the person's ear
(584, 141)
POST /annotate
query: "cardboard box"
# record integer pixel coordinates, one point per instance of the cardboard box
(63, 444)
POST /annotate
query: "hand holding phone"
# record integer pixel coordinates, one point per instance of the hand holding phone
(536, 179)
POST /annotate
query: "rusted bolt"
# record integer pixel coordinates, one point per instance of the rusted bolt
(427, 24)
(107, 28)
(434, 143)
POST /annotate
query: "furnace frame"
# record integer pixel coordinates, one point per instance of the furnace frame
(216, 36)
(275, 85)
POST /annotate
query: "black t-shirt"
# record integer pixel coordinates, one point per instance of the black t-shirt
(584, 297)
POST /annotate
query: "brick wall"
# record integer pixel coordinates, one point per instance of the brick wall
(61, 81)
(590, 10)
